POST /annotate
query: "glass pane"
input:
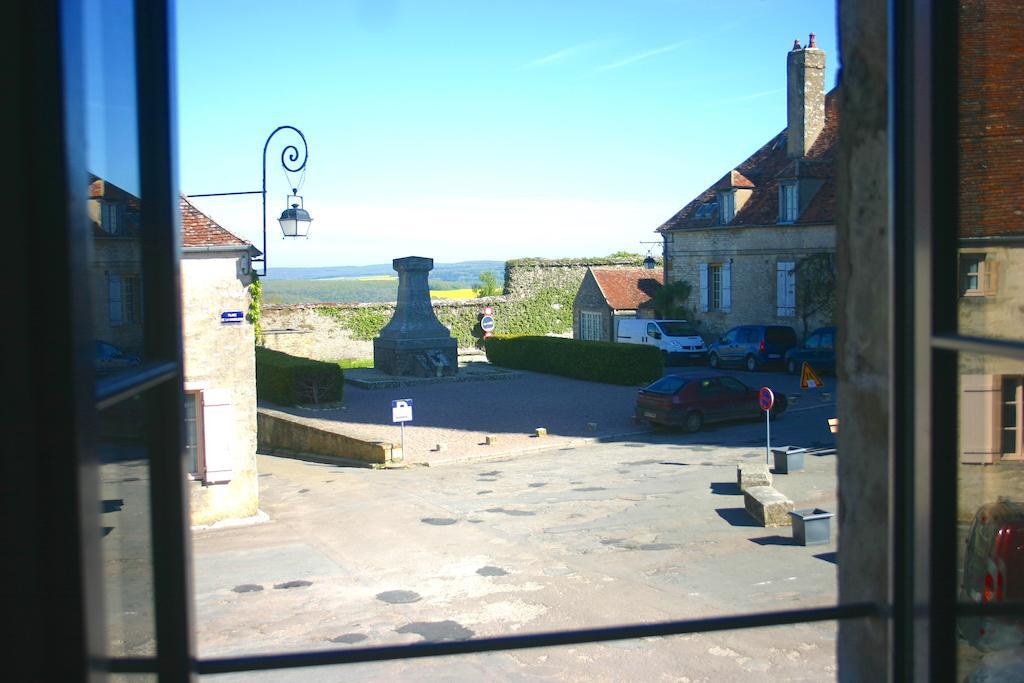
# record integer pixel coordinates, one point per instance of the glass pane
(126, 533)
(990, 509)
(990, 270)
(113, 204)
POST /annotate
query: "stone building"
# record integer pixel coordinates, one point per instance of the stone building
(741, 242)
(607, 294)
(218, 348)
(991, 232)
(220, 369)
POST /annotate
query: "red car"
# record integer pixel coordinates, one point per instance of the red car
(689, 401)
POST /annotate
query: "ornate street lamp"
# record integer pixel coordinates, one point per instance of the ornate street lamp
(649, 262)
(295, 219)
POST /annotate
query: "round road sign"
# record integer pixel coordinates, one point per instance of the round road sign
(487, 323)
(765, 398)
(488, 310)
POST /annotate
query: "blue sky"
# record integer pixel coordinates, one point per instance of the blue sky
(480, 130)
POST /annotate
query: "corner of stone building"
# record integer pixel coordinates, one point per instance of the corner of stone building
(862, 245)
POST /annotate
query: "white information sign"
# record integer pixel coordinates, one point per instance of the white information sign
(401, 410)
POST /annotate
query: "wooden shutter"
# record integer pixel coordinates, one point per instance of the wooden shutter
(980, 420)
(218, 436)
(727, 286)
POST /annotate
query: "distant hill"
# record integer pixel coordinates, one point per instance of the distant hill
(464, 271)
(346, 284)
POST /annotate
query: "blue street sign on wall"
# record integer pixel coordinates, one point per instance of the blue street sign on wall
(232, 317)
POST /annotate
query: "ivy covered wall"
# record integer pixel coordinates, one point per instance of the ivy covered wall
(537, 300)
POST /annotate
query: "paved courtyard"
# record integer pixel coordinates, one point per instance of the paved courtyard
(642, 529)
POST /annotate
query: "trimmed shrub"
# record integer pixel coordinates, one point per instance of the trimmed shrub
(595, 361)
(287, 380)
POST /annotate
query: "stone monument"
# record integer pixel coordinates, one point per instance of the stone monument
(415, 342)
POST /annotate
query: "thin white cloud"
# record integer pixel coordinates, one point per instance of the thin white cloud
(641, 56)
(553, 57)
(751, 96)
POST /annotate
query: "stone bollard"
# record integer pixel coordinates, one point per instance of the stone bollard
(591, 426)
(752, 474)
(440, 447)
(540, 432)
(490, 439)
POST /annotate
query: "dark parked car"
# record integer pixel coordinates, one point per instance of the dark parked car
(819, 350)
(994, 574)
(752, 346)
(690, 401)
(109, 358)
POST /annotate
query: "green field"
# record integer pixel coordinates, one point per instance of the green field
(361, 290)
(453, 294)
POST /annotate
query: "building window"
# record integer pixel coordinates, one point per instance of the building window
(785, 289)
(590, 326)
(706, 210)
(112, 218)
(727, 204)
(193, 432)
(788, 205)
(123, 299)
(715, 286)
(977, 275)
(1012, 405)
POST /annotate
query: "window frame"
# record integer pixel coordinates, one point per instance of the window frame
(789, 201)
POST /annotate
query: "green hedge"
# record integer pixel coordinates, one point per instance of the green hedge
(288, 380)
(596, 361)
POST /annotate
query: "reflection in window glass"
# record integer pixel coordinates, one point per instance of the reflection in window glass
(991, 504)
(991, 202)
(125, 534)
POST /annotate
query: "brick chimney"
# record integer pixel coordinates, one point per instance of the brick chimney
(805, 97)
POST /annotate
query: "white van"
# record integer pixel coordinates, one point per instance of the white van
(677, 339)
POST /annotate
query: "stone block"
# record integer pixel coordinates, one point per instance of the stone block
(767, 506)
(753, 474)
(541, 431)
(490, 439)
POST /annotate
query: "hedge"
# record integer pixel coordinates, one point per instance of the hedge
(595, 361)
(288, 380)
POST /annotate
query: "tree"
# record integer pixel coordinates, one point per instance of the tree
(816, 289)
(670, 301)
(488, 285)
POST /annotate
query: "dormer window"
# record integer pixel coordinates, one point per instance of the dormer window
(788, 202)
(112, 218)
(705, 210)
(727, 206)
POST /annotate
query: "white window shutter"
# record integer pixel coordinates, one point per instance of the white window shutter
(791, 288)
(780, 289)
(727, 286)
(785, 289)
(704, 287)
(114, 305)
(218, 426)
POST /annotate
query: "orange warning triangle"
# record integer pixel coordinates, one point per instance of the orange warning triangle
(809, 378)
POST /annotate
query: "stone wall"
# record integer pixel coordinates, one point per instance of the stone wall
(220, 356)
(753, 253)
(862, 351)
(538, 300)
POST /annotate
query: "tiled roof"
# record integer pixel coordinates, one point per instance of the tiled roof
(762, 172)
(199, 230)
(625, 289)
(991, 119)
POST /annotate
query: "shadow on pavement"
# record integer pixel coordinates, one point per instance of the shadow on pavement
(828, 557)
(736, 516)
(725, 488)
(773, 540)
